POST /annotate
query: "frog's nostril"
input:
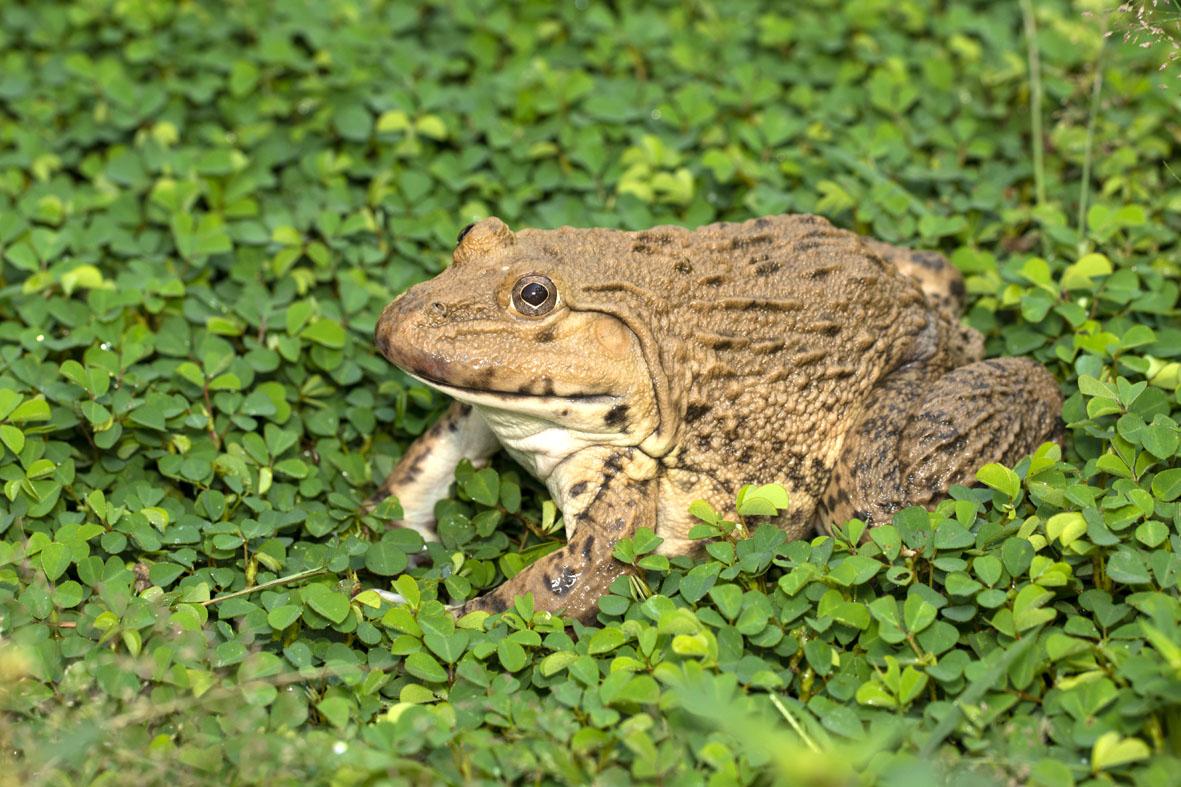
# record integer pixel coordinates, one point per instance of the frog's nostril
(438, 309)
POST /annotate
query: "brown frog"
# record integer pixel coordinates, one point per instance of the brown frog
(635, 372)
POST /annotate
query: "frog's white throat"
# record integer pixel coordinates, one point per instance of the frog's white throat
(537, 444)
(562, 441)
(572, 464)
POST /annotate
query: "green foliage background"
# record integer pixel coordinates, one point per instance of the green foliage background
(203, 208)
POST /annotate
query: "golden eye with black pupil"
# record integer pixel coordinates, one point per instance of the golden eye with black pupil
(534, 295)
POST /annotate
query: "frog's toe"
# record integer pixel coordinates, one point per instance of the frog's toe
(371, 502)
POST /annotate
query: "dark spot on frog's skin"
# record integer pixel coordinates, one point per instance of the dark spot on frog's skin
(957, 288)
(703, 441)
(546, 336)
(563, 583)
(463, 234)
(416, 463)
(695, 411)
(929, 260)
(766, 268)
(658, 238)
(683, 266)
(713, 280)
(578, 488)
(464, 409)
(616, 417)
(497, 604)
(543, 387)
(617, 523)
(588, 546)
(762, 222)
(793, 463)
(642, 248)
(613, 465)
(803, 247)
(819, 232)
(746, 241)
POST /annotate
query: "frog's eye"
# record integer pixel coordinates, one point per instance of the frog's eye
(534, 295)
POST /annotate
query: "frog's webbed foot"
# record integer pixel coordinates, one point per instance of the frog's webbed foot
(571, 580)
(424, 474)
(917, 438)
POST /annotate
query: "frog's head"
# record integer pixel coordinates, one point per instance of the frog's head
(521, 324)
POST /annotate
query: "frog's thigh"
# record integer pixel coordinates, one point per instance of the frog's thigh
(424, 474)
(910, 452)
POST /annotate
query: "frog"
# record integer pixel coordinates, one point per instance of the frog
(635, 372)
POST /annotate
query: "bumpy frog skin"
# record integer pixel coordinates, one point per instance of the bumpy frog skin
(635, 372)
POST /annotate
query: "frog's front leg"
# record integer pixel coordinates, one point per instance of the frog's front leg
(571, 580)
(424, 474)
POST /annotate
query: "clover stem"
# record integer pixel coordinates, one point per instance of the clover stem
(1092, 117)
(1035, 101)
(795, 725)
(311, 572)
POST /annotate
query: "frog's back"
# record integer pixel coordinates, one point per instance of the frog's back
(781, 326)
(787, 299)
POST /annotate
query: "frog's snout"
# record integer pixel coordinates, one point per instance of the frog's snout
(407, 332)
(391, 332)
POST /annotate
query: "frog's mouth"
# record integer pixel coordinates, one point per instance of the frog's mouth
(492, 396)
(485, 381)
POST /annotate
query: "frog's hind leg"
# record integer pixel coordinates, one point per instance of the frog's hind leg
(424, 474)
(941, 281)
(917, 438)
